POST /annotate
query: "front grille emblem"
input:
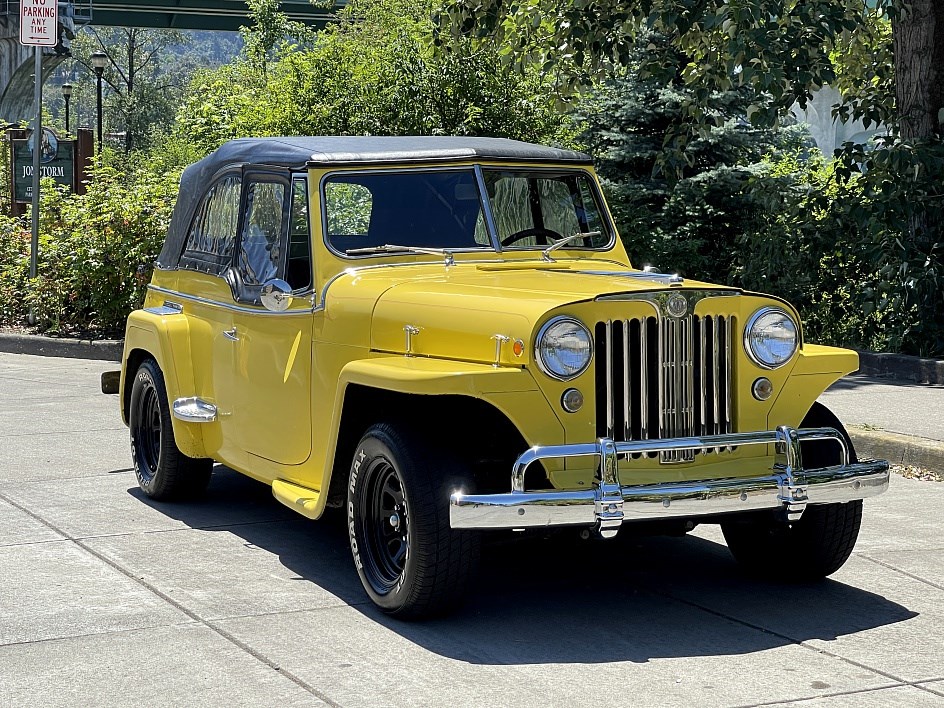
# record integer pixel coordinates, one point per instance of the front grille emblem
(676, 305)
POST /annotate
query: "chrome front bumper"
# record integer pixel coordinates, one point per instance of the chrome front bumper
(786, 486)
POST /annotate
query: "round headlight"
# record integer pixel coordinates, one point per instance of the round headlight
(771, 337)
(564, 348)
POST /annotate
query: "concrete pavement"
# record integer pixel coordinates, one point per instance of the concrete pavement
(899, 421)
(107, 598)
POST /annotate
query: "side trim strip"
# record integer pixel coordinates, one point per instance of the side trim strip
(228, 306)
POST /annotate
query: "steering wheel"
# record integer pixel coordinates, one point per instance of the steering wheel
(549, 236)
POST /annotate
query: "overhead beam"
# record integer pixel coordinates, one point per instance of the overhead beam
(226, 15)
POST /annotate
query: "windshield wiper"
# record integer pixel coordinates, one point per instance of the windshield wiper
(391, 248)
(546, 253)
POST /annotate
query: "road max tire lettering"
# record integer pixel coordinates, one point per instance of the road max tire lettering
(358, 459)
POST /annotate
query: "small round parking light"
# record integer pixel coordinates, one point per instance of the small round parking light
(572, 400)
(762, 388)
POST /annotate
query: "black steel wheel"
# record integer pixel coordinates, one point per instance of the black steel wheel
(163, 471)
(410, 562)
(386, 525)
(815, 546)
(146, 432)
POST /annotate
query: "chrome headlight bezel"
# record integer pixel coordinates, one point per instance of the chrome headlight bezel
(540, 341)
(769, 363)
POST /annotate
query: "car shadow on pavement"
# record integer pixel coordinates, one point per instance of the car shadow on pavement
(560, 599)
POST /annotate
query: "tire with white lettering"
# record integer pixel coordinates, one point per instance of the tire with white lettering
(164, 473)
(411, 563)
(820, 542)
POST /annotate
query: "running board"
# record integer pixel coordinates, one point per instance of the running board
(301, 499)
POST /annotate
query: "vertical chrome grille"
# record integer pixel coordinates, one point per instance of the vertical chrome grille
(664, 378)
(676, 384)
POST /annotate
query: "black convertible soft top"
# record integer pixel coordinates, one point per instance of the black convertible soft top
(296, 153)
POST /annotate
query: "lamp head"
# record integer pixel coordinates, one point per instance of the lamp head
(99, 62)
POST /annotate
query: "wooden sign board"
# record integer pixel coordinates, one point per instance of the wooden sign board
(57, 160)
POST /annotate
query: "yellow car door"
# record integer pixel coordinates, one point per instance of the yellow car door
(272, 373)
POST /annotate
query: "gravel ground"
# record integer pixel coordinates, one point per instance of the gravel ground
(912, 472)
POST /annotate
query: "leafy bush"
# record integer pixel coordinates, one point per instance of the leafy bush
(900, 217)
(90, 249)
(14, 268)
(809, 252)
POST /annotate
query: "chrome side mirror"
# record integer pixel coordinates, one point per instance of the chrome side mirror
(276, 295)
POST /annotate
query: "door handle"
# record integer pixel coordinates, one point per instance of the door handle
(231, 334)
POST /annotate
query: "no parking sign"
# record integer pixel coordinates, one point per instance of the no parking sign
(39, 21)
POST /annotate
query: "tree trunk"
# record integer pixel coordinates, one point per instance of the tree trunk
(132, 48)
(919, 68)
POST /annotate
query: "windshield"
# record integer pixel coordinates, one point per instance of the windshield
(368, 213)
(426, 209)
(535, 208)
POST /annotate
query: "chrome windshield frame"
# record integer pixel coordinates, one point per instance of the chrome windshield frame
(487, 210)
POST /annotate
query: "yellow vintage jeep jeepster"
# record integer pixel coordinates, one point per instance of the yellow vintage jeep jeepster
(445, 337)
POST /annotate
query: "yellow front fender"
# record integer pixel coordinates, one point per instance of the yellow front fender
(511, 391)
(816, 369)
(435, 376)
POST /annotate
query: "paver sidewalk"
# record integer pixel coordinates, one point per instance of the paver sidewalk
(895, 420)
(110, 599)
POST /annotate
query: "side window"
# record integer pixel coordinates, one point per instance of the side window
(298, 270)
(212, 236)
(260, 254)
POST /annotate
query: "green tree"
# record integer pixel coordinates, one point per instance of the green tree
(690, 220)
(147, 73)
(375, 71)
(782, 50)
(269, 29)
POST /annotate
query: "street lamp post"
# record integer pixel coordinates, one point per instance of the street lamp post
(99, 61)
(66, 95)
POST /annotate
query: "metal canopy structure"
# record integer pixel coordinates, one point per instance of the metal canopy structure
(226, 15)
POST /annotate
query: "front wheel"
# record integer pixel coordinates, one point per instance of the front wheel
(163, 471)
(410, 562)
(820, 542)
(809, 549)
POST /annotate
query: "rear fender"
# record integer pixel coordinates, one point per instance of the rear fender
(166, 339)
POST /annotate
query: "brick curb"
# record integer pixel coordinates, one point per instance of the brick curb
(898, 449)
(100, 349)
(901, 366)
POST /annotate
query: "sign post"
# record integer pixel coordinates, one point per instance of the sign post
(39, 27)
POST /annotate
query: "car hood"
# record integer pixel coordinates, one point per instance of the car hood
(457, 311)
